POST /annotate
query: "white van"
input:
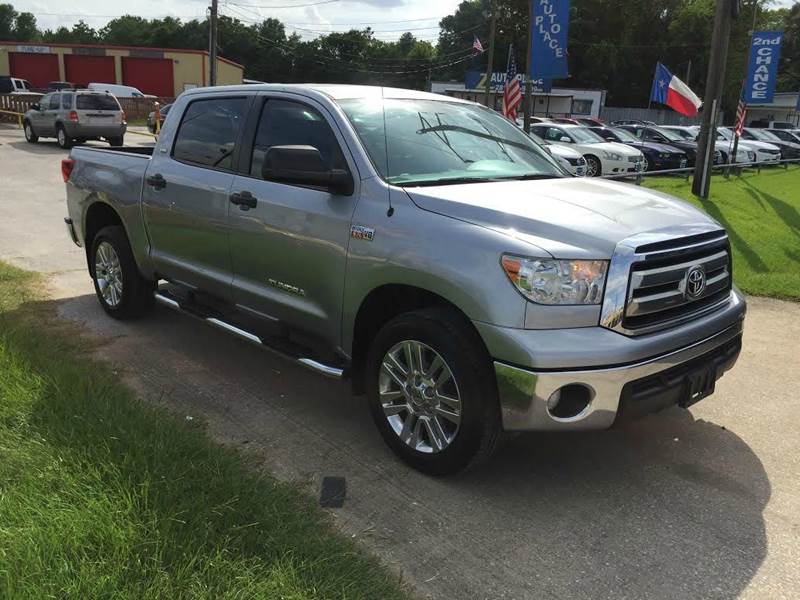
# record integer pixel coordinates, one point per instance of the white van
(120, 91)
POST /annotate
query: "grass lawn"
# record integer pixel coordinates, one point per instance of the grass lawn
(104, 496)
(762, 215)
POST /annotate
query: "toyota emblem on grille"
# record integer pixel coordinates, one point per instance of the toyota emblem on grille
(695, 282)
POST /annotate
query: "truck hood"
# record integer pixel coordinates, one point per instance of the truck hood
(566, 217)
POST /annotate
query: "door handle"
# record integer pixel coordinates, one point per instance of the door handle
(157, 181)
(245, 200)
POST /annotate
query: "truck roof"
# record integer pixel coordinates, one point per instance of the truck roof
(333, 91)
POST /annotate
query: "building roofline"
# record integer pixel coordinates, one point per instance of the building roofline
(115, 47)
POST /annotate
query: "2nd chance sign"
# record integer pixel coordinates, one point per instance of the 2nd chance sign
(762, 71)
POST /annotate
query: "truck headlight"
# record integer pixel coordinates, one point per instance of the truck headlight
(611, 155)
(550, 281)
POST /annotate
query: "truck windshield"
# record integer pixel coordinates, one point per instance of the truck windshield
(96, 102)
(433, 142)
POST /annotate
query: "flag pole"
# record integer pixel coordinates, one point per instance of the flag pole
(526, 118)
(744, 80)
(490, 58)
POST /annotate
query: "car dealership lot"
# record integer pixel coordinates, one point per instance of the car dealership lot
(703, 503)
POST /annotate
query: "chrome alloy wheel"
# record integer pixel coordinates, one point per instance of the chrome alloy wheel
(108, 273)
(419, 396)
(62, 136)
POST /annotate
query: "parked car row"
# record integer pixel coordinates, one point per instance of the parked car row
(659, 147)
(15, 85)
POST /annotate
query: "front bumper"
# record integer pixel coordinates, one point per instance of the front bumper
(626, 390)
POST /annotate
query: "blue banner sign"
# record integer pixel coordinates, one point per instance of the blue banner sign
(762, 72)
(550, 26)
(475, 80)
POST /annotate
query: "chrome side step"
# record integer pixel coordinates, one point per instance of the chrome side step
(309, 363)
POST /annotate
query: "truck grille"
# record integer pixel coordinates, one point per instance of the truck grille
(677, 280)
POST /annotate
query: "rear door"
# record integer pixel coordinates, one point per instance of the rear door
(50, 115)
(185, 194)
(289, 248)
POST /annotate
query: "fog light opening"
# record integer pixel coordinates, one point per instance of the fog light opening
(569, 401)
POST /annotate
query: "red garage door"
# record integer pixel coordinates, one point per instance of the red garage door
(83, 70)
(39, 69)
(150, 75)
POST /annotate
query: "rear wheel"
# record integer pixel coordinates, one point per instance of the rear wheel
(431, 391)
(30, 136)
(116, 141)
(64, 141)
(593, 168)
(122, 291)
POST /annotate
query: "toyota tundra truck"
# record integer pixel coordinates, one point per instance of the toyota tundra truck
(422, 247)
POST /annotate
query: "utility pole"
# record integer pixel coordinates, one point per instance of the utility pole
(526, 114)
(212, 50)
(688, 73)
(490, 58)
(713, 96)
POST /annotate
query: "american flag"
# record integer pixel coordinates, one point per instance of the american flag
(512, 94)
(476, 43)
(741, 113)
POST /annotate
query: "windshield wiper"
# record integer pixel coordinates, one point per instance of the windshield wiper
(445, 181)
(530, 177)
(480, 134)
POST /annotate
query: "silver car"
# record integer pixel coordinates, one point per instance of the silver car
(74, 117)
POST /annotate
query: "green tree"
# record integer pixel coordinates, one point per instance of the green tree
(7, 17)
(25, 29)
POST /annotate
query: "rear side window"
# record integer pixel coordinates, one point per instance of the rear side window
(285, 123)
(208, 131)
(55, 102)
(66, 100)
(96, 102)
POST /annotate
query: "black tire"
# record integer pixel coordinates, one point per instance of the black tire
(30, 136)
(64, 141)
(116, 141)
(450, 335)
(593, 166)
(136, 298)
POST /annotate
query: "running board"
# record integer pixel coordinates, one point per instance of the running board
(309, 363)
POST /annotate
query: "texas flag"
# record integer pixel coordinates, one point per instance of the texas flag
(669, 90)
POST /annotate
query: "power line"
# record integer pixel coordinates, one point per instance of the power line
(285, 5)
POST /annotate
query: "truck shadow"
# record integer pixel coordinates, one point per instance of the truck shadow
(668, 506)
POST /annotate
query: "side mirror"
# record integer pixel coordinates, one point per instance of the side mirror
(565, 139)
(302, 165)
(35, 106)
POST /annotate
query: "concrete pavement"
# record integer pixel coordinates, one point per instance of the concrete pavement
(685, 504)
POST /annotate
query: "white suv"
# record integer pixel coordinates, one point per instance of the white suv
(602, 157)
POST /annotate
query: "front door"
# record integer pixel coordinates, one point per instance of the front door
(185, 195)
(289, 248)
(37, 117)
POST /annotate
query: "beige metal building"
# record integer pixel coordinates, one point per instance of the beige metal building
(162, 72)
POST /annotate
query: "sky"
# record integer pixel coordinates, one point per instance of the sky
(388, 16)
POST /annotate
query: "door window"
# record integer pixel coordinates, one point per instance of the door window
(554, 135)
(44, 103)
(55, 102)
(284, 123)
(208, 132)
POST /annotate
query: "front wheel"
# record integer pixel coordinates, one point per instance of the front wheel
(122, 291)
(593, 167)
(30, 136)
(116, 141)
(432, 392)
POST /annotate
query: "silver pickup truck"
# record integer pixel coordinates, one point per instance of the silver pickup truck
(421, 246)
